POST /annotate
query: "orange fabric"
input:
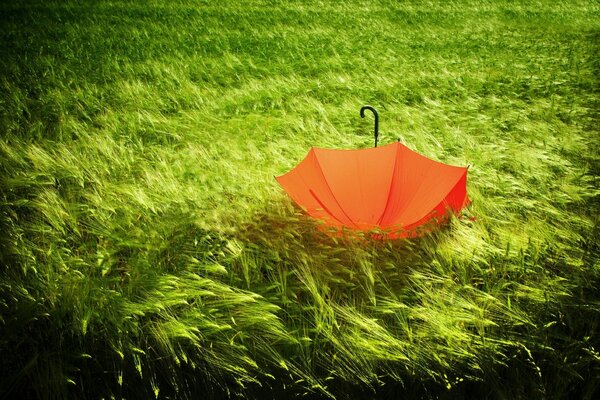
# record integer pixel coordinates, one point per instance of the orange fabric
(390, 188)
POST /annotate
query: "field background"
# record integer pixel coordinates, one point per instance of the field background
(146, 250)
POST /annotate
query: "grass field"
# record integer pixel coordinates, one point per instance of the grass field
(147, 251)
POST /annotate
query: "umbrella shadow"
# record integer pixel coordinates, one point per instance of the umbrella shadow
(286, 243)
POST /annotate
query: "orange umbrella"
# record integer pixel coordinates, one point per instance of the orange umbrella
(390, 188)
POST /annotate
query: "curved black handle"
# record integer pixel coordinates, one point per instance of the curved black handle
(362, 115)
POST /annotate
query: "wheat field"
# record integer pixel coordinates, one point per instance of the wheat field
(146, 250)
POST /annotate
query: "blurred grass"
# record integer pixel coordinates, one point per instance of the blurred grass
(147, 251)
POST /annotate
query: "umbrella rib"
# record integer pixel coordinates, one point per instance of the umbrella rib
(418, 221)
(414, 193)
(331, 191)
(324, 206)
(389, 198)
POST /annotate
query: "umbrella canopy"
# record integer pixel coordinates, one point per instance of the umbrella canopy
(389, 188)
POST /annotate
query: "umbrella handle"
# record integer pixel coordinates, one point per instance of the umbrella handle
(362, 115)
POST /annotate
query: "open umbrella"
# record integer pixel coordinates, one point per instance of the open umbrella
(389, 188)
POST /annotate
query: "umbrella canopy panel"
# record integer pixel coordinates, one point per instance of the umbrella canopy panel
(391, 188)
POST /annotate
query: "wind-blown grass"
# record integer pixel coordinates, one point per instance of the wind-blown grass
(146, 249)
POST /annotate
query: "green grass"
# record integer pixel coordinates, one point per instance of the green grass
(146, 250)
